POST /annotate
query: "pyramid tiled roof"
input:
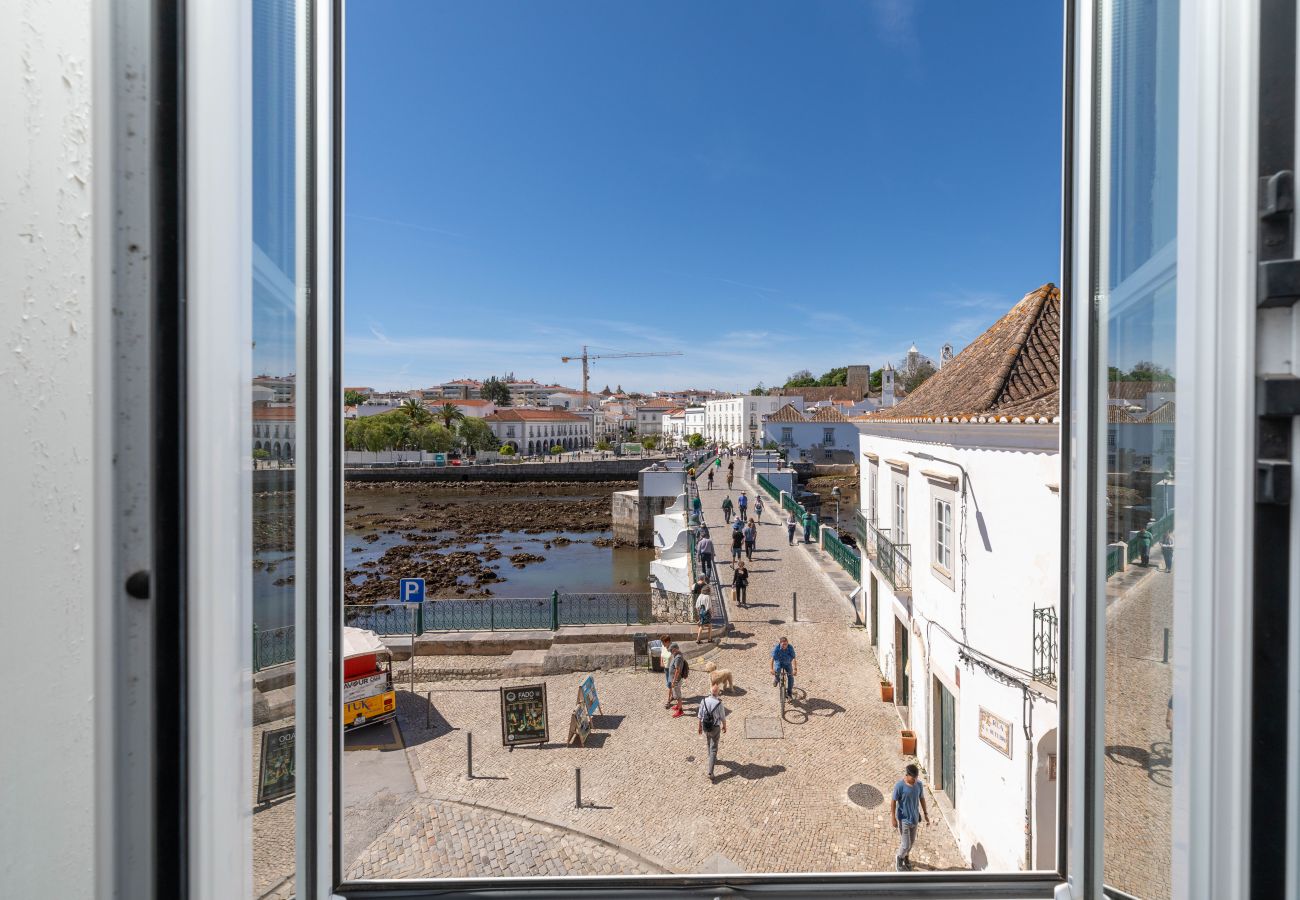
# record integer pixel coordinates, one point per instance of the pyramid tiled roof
(828, 414)
(787, 413)
(1011, 372)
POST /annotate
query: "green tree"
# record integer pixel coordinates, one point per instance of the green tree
(835, 377)
(259, 453)
(557, 449)
(603, 444)
(695, 441)
(877, 378)
(802, 378)
(353, 398)
(450, 414)
(414, 410)
(650, 441)
(496, 390)
(433, 438)
(508, 450)
(1145, 370)
(477, 435)
(918, 376)
(757, 390)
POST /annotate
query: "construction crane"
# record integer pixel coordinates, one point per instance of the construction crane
(586, 365)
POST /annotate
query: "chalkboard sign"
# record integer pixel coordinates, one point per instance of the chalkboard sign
(523, 715)
(587, 698)
(275, 775)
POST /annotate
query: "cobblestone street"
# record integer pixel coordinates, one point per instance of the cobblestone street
(779, 804)
(1138, 764)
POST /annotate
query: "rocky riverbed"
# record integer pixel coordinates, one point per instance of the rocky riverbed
(480, 539)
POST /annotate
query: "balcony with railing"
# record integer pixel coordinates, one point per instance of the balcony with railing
(893, 560)
(1045, 645)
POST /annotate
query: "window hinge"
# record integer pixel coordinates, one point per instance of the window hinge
(1279, 275)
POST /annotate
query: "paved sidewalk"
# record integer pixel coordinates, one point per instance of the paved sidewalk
(779, 805)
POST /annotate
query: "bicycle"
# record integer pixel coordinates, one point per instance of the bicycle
(784, 682)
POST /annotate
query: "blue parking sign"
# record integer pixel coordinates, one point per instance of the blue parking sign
(411, 590)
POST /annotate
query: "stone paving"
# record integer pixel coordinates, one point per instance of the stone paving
(1138, 763)
(779, 805)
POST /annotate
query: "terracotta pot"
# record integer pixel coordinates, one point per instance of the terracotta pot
(886, 692)
(909, 742)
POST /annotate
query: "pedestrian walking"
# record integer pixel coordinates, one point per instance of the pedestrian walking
(737, 541)
(807, 527)
(665, 660)
(726, 508)
(713, 724)
(704, 613)
(696, 507)
(1167, 549)
(705, 549)
(758, 507)
(730, 479)
(790, 525)
(710, 479)
(701, 585)
(740, 584)
(731, 465)
(677, 671)
(784, 662)
(906, 807)
(742, 504)
(690, 473)
(751, 538)
(1144, 542)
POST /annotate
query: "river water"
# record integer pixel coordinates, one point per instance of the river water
(575, 567)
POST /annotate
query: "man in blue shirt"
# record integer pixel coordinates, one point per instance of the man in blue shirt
(784, 662)
(905, 810)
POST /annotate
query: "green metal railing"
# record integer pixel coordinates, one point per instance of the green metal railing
(272, 646)
(1045, 645)
(1159, 528)
(892, 560)
(768, 486)
(1114, 559)
(849, 560)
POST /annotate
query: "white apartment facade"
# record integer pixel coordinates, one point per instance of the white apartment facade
(673, 426)
(536, 431)
(738, 421)
(960, 497)
(693, 420)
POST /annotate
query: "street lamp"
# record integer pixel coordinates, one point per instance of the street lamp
(835, 492)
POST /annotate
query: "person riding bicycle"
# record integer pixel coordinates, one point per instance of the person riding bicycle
(784, 662)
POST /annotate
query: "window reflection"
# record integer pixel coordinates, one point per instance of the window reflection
(274, 442)
(1136, 163)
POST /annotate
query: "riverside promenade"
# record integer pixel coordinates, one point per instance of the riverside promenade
(805, 793)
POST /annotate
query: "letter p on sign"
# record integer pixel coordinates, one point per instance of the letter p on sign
(411, 590)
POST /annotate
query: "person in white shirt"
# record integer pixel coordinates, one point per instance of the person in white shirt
(704, 612)
(713, 723)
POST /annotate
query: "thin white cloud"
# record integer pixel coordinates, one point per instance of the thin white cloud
(895, 20)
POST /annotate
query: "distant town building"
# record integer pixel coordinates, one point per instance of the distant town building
(960, 521)
(273, 430)
(649, 416)
(823, 434)
(738, 421)
(535, 431)
(693, 417)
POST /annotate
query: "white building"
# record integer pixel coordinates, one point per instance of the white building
(821, 435)
(273, 430)
(962, 522)
(473, 409)
(738, 421)
(534, 431)
(693, 417)
(673, 426)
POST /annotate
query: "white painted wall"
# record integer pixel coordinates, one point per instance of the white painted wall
(1011, 470)
(51, 326)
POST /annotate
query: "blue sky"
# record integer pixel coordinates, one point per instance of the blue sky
(763, 186)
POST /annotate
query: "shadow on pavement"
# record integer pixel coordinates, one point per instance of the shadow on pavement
(748, 771)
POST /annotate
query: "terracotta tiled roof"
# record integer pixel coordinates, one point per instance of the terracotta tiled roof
(532, 415)
(1162, 414)
(1118, 415)
(828, 414)
(1011, 372)
(787, 413)
(273, 413)
(817, 394)
(1138, 390)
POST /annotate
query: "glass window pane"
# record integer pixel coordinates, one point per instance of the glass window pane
(275, 439)
(1135, 159)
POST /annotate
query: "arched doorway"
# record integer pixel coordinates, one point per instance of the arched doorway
(1045, 785)
(276, 451)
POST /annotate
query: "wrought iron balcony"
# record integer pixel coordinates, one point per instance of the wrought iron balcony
(1045, 645)
(893, 561)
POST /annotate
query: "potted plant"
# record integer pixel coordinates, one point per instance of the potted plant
(886, 690)
(909, 742)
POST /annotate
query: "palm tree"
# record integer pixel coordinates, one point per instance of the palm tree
(449, 413)
(411, 407)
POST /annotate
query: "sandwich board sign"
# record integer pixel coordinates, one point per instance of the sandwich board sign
(523, 715)
(276, 767)
(411, 590)
(587, 698)
(579, 726)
